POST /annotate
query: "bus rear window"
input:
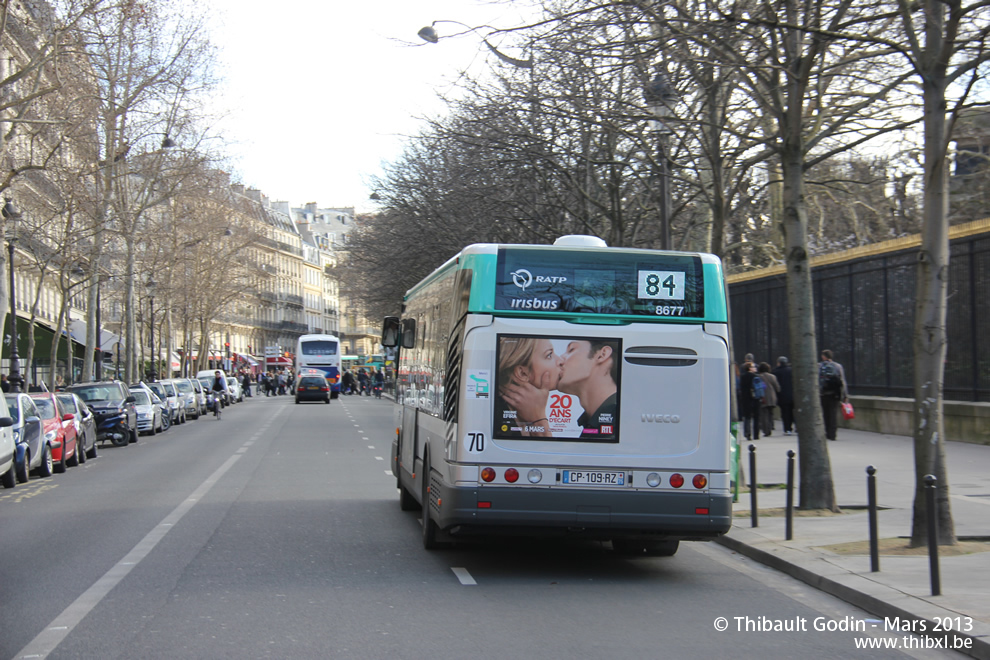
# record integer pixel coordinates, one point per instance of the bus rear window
(599, 282)
(319, 348)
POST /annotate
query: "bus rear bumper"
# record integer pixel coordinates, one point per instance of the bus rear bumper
(603, 513)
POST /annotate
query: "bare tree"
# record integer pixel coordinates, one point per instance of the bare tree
(39, 68)
(945, 44)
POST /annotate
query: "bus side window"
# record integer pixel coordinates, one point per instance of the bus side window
(408, 333)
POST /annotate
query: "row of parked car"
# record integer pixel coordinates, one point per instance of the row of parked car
(46, 432)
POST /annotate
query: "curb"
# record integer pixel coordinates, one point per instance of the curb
(979, 644)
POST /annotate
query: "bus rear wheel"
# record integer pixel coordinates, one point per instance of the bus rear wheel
(430, 530)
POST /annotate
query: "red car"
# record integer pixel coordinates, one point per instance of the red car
(59, 430)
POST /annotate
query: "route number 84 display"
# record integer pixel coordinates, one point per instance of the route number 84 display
(661, 285)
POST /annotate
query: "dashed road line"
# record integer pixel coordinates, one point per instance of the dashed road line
(464, 577)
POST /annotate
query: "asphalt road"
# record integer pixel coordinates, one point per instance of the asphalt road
(276, 533)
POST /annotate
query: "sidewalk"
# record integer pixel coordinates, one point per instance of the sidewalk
(902, 587)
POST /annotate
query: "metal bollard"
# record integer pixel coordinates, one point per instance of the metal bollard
(754, 512)
(871, 499)
(789, 528)
(931, 484)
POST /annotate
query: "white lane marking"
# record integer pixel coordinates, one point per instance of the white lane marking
(389, 473)
(379, 458)
(49, 639)
(464, 577)
(370, 446)
(56, 631)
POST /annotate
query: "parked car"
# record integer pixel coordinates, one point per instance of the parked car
(160, 398)
(33, 451)
(149, 412)
(8, 448)
(60, 432)
(85, 422)
(113, 405)
(175, 404)
(236, 391)
(200, 395)
(187, 396)
(312, 388)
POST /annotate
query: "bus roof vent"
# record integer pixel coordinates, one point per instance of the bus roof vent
(580, 240)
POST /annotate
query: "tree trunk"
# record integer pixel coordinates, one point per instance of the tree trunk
(930, 307)
(816, 487)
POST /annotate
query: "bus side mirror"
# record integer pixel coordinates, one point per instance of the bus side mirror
(390, 332)
(408, 333)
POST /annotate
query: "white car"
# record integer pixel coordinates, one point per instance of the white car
(236, 391)
(8, 449)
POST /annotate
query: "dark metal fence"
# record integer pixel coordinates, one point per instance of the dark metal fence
(864, 313)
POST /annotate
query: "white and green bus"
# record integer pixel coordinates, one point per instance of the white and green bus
(573, 389)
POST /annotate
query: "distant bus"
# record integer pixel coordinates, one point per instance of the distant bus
(321, 352)
(572, 389)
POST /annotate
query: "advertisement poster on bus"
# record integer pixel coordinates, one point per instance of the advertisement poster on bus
(561, 388)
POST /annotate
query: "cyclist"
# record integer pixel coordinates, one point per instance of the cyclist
(219, 389)
(379, 382)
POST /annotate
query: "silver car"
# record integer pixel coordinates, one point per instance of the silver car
(187, 396)
(200, 395)
(149, 413)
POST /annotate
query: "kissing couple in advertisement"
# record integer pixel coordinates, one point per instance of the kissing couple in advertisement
(530, 368)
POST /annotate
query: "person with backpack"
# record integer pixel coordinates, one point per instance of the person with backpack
(832, 391)
(752, 389)
(769, 400)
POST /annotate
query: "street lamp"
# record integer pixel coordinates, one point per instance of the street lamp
(11, 215)
(151, 285)
(430, 35)
(660, 97)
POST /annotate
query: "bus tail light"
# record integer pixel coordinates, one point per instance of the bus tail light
(701, 511)
(488, 474)
(676, 480)
(653, 480)
(534, 476)
(700, 481)
(484, 505)
(512, 475)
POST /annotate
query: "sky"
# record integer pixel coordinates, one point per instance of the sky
(319, 93)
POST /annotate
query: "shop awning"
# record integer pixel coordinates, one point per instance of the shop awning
(249, 359)
(278, 361)
(108, 340)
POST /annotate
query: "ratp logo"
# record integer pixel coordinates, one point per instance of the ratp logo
(522, 278)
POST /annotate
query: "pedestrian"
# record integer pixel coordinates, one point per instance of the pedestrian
(769, 402)
(832, 391)
(347, 382)
(785, 397)
(247, 384)
(4, 384)
(750, 399)
(362, 381)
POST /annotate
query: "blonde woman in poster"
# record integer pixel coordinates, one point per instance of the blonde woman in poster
(538, 380)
